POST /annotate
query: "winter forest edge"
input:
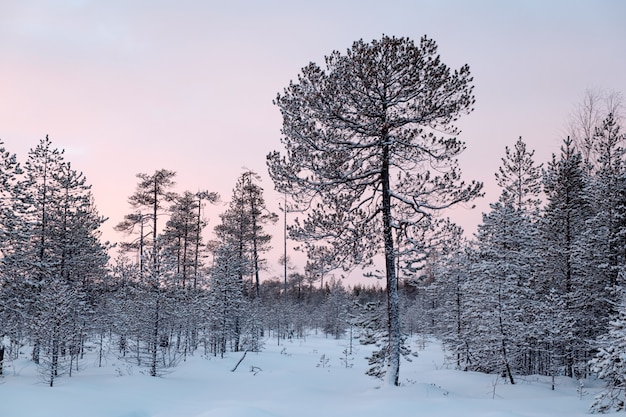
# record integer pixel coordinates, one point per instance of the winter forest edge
(369, 166)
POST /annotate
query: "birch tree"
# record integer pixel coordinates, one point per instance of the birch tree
(588, 115)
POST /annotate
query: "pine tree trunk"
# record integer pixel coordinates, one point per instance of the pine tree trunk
(155, 339)
(393, 301)
(35, 354)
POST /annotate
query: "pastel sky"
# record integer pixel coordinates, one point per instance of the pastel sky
(133, 86)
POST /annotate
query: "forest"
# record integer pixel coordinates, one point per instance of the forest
(370, 165)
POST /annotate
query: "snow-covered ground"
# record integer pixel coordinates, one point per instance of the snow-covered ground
(298, 378)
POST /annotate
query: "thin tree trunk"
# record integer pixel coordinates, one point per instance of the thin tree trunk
(155, 338)
(1, 357)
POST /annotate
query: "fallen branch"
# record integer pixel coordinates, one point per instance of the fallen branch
(240, 360)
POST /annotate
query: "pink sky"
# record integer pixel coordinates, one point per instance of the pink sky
(134, 86)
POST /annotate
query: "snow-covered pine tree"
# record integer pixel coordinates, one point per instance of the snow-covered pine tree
(41, 193)
(552, 327)
(13, 238)
(182, 237)
(82, 256)
(64, 253)
(370, 319)
(495, 333)
(609, 364)
(520, 177)
(129, 312)
(501, 285)
(241, 239)
(54, 328)
(158, 318)
(563, 225)
(335, 309)
(365, 152)
(451, 275)
(605, 233)
(243, 226)
(226, 302)
(183, 243)
(153, 195)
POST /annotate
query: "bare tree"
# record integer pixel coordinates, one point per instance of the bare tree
(595, 106)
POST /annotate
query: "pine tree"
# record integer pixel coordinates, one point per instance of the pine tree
(610, 366)
(52, 326)
(605, 235)
(65, 257)
(370, 319)
(126, 299)
(135, 223)
(520, 177)
(563, 225)
(226, 302)
(335, 309)
(364, 155)
(183, 237)
(501, 284)
(242, 227)
(182, 240)
(153, 194)
(12, 244)
(43, 161)
(451, 277)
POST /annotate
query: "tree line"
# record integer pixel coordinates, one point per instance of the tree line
(540, 285)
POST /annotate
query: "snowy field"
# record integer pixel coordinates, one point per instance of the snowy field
(298, 378)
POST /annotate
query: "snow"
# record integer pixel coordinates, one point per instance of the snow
(289, 380)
